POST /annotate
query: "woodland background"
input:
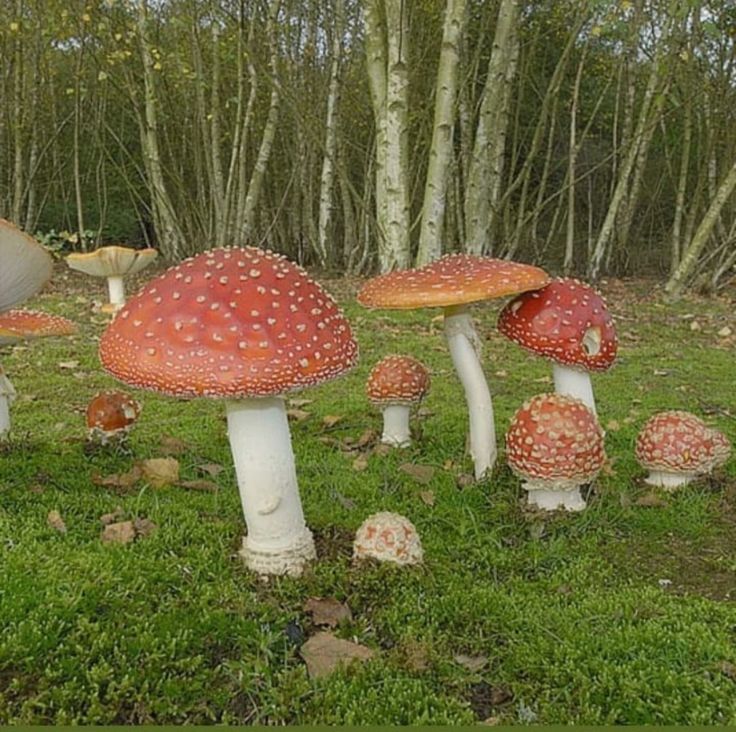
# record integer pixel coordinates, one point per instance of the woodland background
(592, 137)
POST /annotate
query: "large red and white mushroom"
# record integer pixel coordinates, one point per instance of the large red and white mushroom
(567, 322)
(395, 384)
(113, 263)
(21, 325)
(676, 447)
(555, 444)
(246, 326)
(452, 283)
(388, 537)
(110, 415)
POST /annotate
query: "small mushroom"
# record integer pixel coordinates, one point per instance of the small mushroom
(676, 447)
(388, 537)
(246, 326)
(113, 263)
(567, 322)
(110, 415)
(395, 384)
(555, 444)
(452, 283)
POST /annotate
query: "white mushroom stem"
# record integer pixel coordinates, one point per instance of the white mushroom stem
(464, 345)
(574, 383)
(669, 481)
(116, 290)
(396, 425)
(278, 540)
(551, 500)
(7, 395)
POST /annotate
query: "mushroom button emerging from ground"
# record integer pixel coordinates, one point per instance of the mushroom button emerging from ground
(555, 445)
(676, 447)
(110, 415)
(394, 385)
(568, 322)
(247, 326)
(113, 263)
(452, 283)
(388, 537)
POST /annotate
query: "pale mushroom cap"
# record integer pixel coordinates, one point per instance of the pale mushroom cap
(25, 266)
(455, 279)
(566, 321)
(229, 323)
(111, 261)
(388, 537)
(397, 380)
(555, 442)
(679, 442)
(20, 325)
(111, 412)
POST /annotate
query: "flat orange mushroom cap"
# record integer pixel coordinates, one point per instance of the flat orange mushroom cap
(455, 279)
(19, 325)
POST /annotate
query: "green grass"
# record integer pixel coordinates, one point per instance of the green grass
(568, 609)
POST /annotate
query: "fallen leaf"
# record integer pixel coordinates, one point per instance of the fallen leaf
(725, 332)
(427, 497)
(122, 532)
(464, 480)
(172, 445)
(68, 364)
(728, 669)
(144, 527)
(109, 518)
(651, 500)
(298, 415)
(55, 521)
(472, 663)
(331, 420)
(612, 425)
(200, 485)
(420, 473)
(383, 450)
(212, 469)
(299, 402)
(324, 653)
(695, 325)
(161, 471)
(360, 462)
(327, 611)
(366, 438)
(119, 480)
(415, 656)
(660, 372)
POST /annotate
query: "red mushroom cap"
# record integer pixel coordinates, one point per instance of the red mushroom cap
(397, 380)
(229, 323)
(555, 442)
(455, 279)
(19, 325)
(679, 442)
(566, 321)
(111, 412)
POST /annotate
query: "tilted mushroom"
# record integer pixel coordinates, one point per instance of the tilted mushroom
(676, 447)
(114, 263)
(110, 415)
(21, 325)
(395, 384)
(388, 537)
(567, 322)
(452, 283)
(246, 326)
(555, 444)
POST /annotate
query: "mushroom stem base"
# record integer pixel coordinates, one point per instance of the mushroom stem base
(289, 561)
(396, 430)
(574, 383)
(463, 343)
(668, 481)
(552, 500)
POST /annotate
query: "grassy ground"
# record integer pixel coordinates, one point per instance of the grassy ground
(622, 614)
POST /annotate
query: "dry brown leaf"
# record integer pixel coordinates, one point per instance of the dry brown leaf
(427, 497)
(161, 471)
(361, 462)
(331, 420)
(298, 415)
(109, 518)
(651, 500)
(420, 473)
(369, 436)
(212, 469)
(144, 527)
(172, 445)
(55, 521)
(472, 663)
(327, 611)
(464, 480)
(68, 364)
(298, 403)
(612, 425)
(200, 485)
(725, 332)
(122, 532)
(324, 653)
(119, 480)
(383, 450)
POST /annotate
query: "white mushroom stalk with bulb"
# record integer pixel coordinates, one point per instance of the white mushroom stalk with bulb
(452, 283)
(246, 326)
(395, 384)
(568, 323)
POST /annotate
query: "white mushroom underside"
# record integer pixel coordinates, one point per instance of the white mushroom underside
(575, 383)
(396, 430)
(669, 481)
(278, 540)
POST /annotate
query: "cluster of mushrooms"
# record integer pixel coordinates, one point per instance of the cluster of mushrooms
(248, 327)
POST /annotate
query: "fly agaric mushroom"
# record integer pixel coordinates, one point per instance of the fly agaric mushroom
(113, 263)
(388, 537)
(569, 323)
(555, 445)
(394, 385)
(676, 447)
(246, 326)
(20, 325)
(452, 283)
(110, 415)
